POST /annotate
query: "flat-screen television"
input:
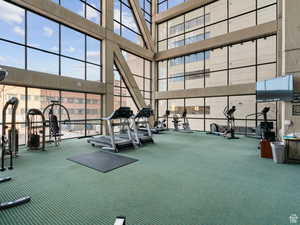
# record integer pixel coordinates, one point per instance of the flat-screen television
(277, 89)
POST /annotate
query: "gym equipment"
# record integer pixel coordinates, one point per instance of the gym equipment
(113, 142)
(141, 135)
(268, 135)
(185, 124)
(120, 220)
(35, 129)
(3, 74)
(229, 130)
(161, 126)
(10, 140)
(102, 161)
(53, 122)
(9, 144)
(10, 204)
(258, 131)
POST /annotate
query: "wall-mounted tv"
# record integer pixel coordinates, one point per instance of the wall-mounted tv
(277, 89)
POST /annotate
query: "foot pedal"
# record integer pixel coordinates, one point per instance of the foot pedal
(5, 179)
(21, 201)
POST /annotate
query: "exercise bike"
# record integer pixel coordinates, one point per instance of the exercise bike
(185, 125)
(229, 130)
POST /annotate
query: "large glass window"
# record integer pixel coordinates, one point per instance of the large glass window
(125, 23)
(89, 9)
(141, 70)
(241, 63)
(212, 20)
(49, 47)
(163, 5)
(202, 112)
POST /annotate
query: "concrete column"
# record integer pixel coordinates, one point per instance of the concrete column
(108, 57)
(291, 56)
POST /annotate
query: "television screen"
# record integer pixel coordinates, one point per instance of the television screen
(277, 89)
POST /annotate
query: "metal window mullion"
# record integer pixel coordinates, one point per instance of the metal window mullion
(26, 40)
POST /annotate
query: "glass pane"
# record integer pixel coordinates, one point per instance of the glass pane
(93, 72)
(215, 107)
(93, 15)
(93, 106)
(242, 22)
(214, 79)
(216, 29)
(12, 22)
(7, 92)
(72, 68)
(36, 61)
(75, 6)
(176, 106)
(162, 107)
(216, 12)
(162, 85)
(266, 14)
(266, 50)
(195, 107)
(42, 33)
(93, 51)
(12, 55)
(176, 26)
(72, 43)
(75, 103)
(242, 76)
(216, 59)
(194, 19)
(244, 105)
(237, 7)
(265, 72)
(196, 124)
(162, 31)
(242, 54)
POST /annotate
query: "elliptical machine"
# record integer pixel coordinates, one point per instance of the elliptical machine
(229, 130)
(185, 125)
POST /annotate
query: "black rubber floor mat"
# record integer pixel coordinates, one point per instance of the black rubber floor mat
(102, 161)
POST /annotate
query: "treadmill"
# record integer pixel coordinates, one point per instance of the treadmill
(114, 142)
(138, 120)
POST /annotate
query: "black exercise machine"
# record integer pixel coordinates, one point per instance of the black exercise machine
(229, 130)
(53, 121)
(9, 144)
(140, 127)
(36, 129)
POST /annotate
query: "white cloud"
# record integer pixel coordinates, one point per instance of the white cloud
(35, 45)
(48, 32)
(18, 30)
(10, 13)
(127, 19)
(2, 59)
(91, 13)
(54, 48)
(93, 53)
(71, 49)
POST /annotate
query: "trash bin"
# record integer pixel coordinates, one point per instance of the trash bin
(278, 151)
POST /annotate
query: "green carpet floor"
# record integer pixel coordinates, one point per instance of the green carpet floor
(183, 179)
